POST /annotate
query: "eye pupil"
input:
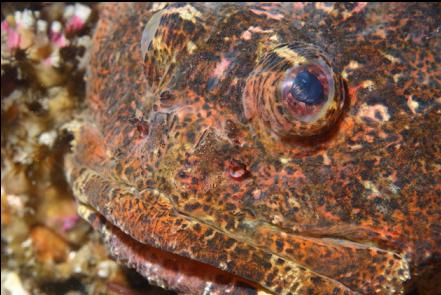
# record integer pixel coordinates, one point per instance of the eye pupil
(307, 88)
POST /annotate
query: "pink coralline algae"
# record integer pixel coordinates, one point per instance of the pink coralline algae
(13, 37)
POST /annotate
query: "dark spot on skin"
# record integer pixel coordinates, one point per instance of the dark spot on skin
(182, 174)
(270, 277)
(206, 107)
(191, 136)
(215, 242)
(188, 26)
(316, 280)
(241, 251)
(279, 245)
(221, 257)
(212, 83)
(295, 286)
(118, 168)
(394, 205)
(378, 116)
(378, 201)
(321, 201)
(128, 171)
(230, 243)
(208, 233)
(192, 207)
(230, 224)
(280, 110)
(230, 207)
(197, 227)
(366, 175)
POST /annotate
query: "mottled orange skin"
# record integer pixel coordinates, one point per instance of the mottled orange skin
(355, 209)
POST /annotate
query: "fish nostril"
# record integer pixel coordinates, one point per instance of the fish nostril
(166, 96)
(237, 170)
(142, 126)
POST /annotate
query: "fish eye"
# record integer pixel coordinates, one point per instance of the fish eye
(305, 91)
(295, 91)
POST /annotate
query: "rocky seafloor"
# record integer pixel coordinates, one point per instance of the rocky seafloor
(45, 247)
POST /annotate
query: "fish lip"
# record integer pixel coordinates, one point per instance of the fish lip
(329, 239)
(125, 248)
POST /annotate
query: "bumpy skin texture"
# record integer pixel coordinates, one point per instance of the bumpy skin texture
(175, 154)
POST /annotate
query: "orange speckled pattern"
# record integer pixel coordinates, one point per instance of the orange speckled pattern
(188, 151)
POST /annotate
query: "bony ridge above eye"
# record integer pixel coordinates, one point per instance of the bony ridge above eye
(294, 91)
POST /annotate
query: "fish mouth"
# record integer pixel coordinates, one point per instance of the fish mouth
(280, 262)
(163, 268)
